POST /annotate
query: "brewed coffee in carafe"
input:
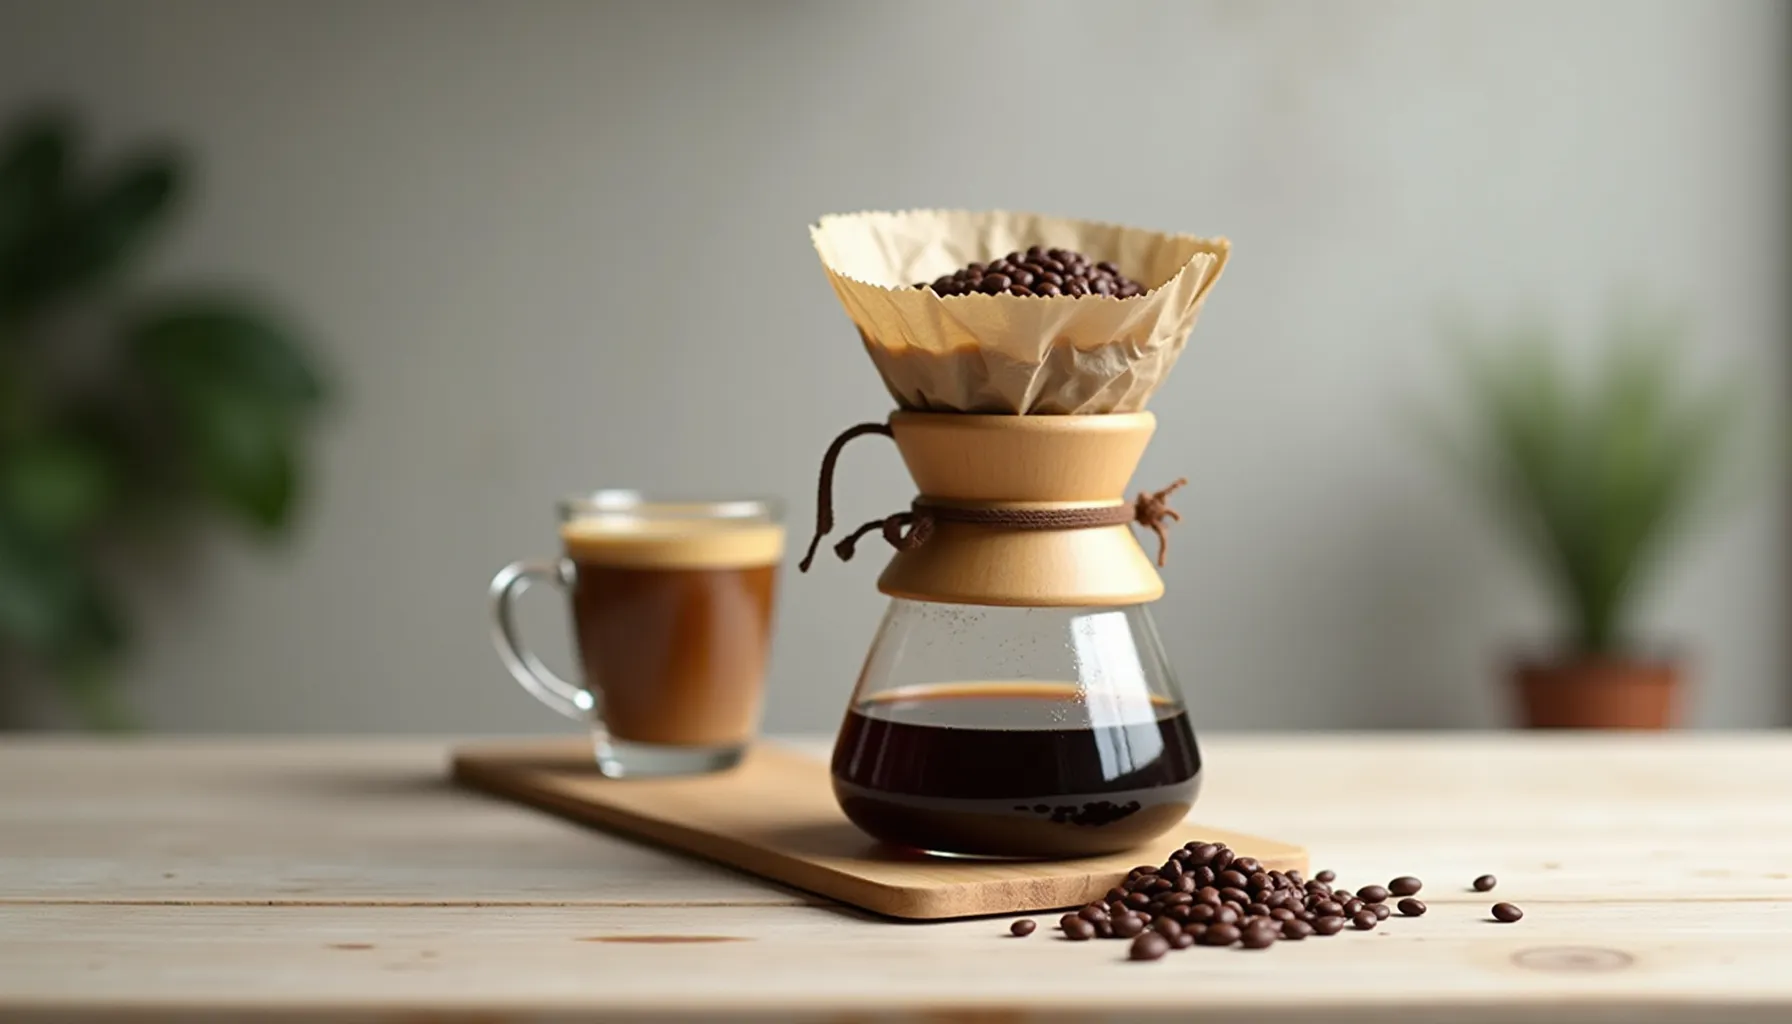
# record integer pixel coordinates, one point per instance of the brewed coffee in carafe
(1016, 701)
(1068, 740)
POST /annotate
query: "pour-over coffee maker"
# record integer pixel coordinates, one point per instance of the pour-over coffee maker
(1016, 701)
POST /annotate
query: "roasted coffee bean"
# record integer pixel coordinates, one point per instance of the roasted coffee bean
(1381, 911)
(1149, 946)
(1247, 865)
(1506, 913)
(1222, 859)
(1128, 926)
(1234, 906)
(1331, 924)
(1115, 895)
(1186, 884)
(1093, 912)
(1070, 272)
(1208, 894)
(1372, 894)
(1183, 940)
(1405, 885)
(1260, 938)
(1166, 926)
(1137, 899)
(1486, 883)
(1225, 915)
(1317, 886)
(1202, 853)
(1328, 908)
(1171, 870)
(1221, 935)
(1353, 907)
(1231, 878)
(1201, 912)
(1238, 896)
(1258, 880)
(1078, 930)
(1257, 910)
(1104, 929)
(1203, 875)
(1023, 927)
(1364, 920)
(1160, 884)
(1178, 899)
(1282, 914)
(1179, 914)
(1064, 922)
(1412, 908)
(1327, 876)
(1295, 877)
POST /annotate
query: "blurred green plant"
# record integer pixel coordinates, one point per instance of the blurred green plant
(1595, 475)
(122, 414)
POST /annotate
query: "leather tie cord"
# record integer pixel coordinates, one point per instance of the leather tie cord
(910, 529)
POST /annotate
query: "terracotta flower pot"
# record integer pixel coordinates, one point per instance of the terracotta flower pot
(1599, 693)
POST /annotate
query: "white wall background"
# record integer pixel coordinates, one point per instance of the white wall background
(554, 245)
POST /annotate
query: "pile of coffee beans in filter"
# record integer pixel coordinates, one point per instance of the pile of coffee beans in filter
(1207, 895)
(1038, 271)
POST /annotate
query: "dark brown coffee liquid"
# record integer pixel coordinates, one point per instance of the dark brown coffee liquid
(678, 654)
(1014, 770)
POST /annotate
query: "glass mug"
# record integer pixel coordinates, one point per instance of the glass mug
(672, 617)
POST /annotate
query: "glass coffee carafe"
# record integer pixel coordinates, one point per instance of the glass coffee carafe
(1016, 701)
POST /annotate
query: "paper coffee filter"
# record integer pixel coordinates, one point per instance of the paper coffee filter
(1009, 353)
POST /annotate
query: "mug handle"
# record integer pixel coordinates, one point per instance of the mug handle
(574, 702)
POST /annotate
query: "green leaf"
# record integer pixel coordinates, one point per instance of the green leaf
(34, 160)
(221, 341)
(51, 604)
(242, 451)
(57, 486)
(98, 233)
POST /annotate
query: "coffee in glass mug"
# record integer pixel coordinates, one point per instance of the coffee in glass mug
(671, 607)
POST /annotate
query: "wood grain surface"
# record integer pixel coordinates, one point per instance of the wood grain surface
(347, 880)
(775, 816)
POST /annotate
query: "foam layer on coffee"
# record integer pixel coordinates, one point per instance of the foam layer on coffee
(632, 543)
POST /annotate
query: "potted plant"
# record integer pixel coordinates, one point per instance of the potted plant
(1595, 476)
(124, 412)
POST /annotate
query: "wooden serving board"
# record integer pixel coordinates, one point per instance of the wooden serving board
(775, 816)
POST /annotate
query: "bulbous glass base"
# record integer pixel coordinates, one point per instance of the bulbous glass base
(1037, 733)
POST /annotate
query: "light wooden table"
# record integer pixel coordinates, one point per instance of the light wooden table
(277, 879)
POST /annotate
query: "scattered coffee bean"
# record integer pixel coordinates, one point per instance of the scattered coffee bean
(1372, 894)
(1405, 885)
(1294, 931)
(1167, 927)
(1183, 940)
(1364, 920)
(1412, 908)
(1328, 908)
(1381, 911)
(1486, 883)
(1149, 946)
(1221, 935)
(1352, 906)
(1327, 876)
(1330, 924)
(1078, 930)
(1023, 927)
(1093, 912)
(1506, 913)
(1256, 937)
(1128, 926)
